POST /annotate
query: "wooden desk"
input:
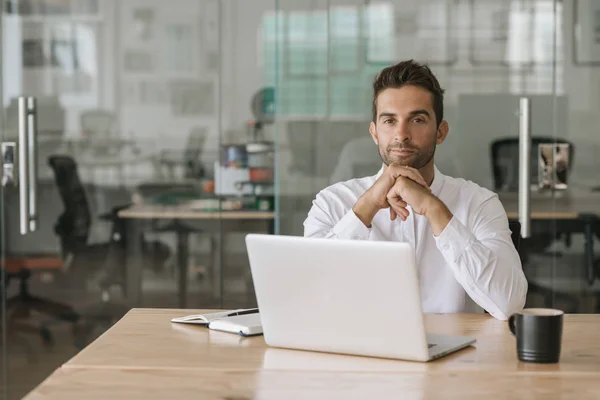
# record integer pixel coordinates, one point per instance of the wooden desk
(558, 205)
(105, 384)
(146, 356)
(146, 212)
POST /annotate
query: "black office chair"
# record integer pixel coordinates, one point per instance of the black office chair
(72, 228)
(505, 160)
(21, 306)
(189, 157)
(104, 260)
(505, 169)
(73, 225)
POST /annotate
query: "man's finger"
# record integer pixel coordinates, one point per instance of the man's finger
(401, 203)
(411, 173)
(396, 202)
(408, 172)
(394, 193)
(399, 207)
(403, 213)
(418, 173)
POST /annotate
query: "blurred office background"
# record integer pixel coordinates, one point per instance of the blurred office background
(167, 130)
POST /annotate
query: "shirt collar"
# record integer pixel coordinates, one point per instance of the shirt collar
(438, 181)
(436, 185)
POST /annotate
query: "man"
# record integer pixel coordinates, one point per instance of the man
(459, 230)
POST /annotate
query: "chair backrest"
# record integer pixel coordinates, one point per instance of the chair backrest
(194, 146)
(195, 142)
(73, 225)
(505, 160)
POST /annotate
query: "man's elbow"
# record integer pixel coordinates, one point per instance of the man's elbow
(515, 300)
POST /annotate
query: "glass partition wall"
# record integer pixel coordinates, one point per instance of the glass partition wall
(146, 132)
(164, 133)
(512, 70)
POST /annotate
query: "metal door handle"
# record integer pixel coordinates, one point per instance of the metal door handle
(32, 162)
(23, 167)
(525, 166)
(27, 164)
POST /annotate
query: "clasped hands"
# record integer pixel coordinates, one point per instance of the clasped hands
(397, 188)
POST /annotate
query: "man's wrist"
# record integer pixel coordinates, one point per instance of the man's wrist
(438, 215)
(364, 210)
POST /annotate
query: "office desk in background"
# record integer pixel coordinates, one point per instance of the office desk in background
(146, 356)
(549, 206)
(139, 213)
(569, 211)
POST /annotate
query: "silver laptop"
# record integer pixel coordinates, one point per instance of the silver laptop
(341, 296)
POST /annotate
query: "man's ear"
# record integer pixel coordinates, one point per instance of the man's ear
(373, 132)
(442, 132)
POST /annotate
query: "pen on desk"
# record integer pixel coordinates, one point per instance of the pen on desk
(243, 312)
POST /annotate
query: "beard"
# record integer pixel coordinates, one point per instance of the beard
(418, 159)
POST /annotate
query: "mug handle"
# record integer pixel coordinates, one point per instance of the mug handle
(511, 324)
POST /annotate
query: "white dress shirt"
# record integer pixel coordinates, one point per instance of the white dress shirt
(471, 264)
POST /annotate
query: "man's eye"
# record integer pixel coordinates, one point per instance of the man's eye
(418, 120)
(388, 121)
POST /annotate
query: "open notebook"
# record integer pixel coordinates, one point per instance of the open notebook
(245, 322)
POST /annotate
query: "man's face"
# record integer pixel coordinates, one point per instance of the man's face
(405, 129)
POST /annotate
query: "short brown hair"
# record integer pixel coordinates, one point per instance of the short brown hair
(412, 73)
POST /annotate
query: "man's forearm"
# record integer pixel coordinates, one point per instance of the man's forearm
(438, 215)
(484, 260)
(365, 211)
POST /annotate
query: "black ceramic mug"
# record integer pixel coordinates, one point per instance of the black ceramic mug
(539, 334)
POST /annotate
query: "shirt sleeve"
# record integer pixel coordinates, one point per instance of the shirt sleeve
(321, 222)
(484, 260)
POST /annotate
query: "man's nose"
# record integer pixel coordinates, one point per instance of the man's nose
(402, 133)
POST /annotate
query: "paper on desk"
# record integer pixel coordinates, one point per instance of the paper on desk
(202, 319)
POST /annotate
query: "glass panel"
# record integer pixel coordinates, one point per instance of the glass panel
(486, 54)
(141, 107)
(52, 52)
(244, 173)
(169, 85)
(576, 270)
(3, 274)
